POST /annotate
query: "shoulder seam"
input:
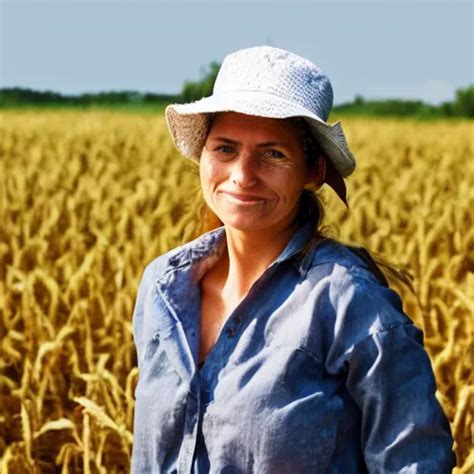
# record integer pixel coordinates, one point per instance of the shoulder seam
(389, 328)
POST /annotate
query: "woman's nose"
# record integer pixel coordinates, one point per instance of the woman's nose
(243, 171)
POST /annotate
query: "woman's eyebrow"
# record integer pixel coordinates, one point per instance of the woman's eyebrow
(260, 145)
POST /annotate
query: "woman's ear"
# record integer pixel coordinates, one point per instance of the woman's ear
(317, 174)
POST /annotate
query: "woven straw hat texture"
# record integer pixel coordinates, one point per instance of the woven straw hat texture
(268, 82)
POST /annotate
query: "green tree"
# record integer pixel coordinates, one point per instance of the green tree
(195, 90)
(464, 102)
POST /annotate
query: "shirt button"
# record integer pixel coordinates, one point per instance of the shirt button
(230, 331)
(238, 319)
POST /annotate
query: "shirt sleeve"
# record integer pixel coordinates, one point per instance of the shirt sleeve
(142, 323)
(390, 377)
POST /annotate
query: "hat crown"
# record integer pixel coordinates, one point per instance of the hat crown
(271, 70)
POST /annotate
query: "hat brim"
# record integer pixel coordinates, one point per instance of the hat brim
(188, 123)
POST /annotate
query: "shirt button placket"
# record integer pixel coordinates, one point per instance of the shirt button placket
(232, 330)
(190, 435)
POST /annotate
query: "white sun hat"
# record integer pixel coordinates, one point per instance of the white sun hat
(268, 82)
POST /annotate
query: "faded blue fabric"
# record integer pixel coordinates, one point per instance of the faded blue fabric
(317, 370)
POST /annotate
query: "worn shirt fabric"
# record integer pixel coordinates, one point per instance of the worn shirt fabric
(317, 370)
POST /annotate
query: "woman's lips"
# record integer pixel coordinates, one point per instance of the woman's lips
(243, 198)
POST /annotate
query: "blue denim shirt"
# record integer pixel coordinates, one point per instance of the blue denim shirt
(317, 370)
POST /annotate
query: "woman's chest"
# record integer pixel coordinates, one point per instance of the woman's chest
(211, 321)
(213, 312)
(278, 409)
(218, 300)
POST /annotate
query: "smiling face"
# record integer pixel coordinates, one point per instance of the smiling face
(253, 171)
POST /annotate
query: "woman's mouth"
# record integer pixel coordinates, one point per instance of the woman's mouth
(243, 198)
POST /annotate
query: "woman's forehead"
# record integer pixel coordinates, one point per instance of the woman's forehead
(234, 122)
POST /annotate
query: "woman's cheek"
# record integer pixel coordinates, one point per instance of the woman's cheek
(204, 172)
(211, 176)
(210, 168)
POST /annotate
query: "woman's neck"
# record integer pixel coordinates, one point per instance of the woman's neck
(248, 254)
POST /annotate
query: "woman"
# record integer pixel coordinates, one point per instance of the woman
(263, 346)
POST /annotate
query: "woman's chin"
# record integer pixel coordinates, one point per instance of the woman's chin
(243, 223)
(250, 220)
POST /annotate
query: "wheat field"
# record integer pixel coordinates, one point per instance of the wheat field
(88, 198)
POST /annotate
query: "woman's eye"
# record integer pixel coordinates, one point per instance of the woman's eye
(224, 149)
(275, 154)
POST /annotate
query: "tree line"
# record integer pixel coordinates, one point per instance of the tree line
(461, 106)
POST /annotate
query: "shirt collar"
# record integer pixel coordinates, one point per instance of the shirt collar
(295, 245)
(211, 243)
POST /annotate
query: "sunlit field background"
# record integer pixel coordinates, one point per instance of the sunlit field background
(88, 198)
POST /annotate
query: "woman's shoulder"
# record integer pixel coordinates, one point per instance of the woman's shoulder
(331, 255)
(355, 290)
(205, 244)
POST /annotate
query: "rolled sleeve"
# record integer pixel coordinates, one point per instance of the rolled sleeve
(404, 428)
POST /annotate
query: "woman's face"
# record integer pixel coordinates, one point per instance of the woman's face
(253, 170)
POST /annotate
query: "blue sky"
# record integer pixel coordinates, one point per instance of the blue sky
(379, 49)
